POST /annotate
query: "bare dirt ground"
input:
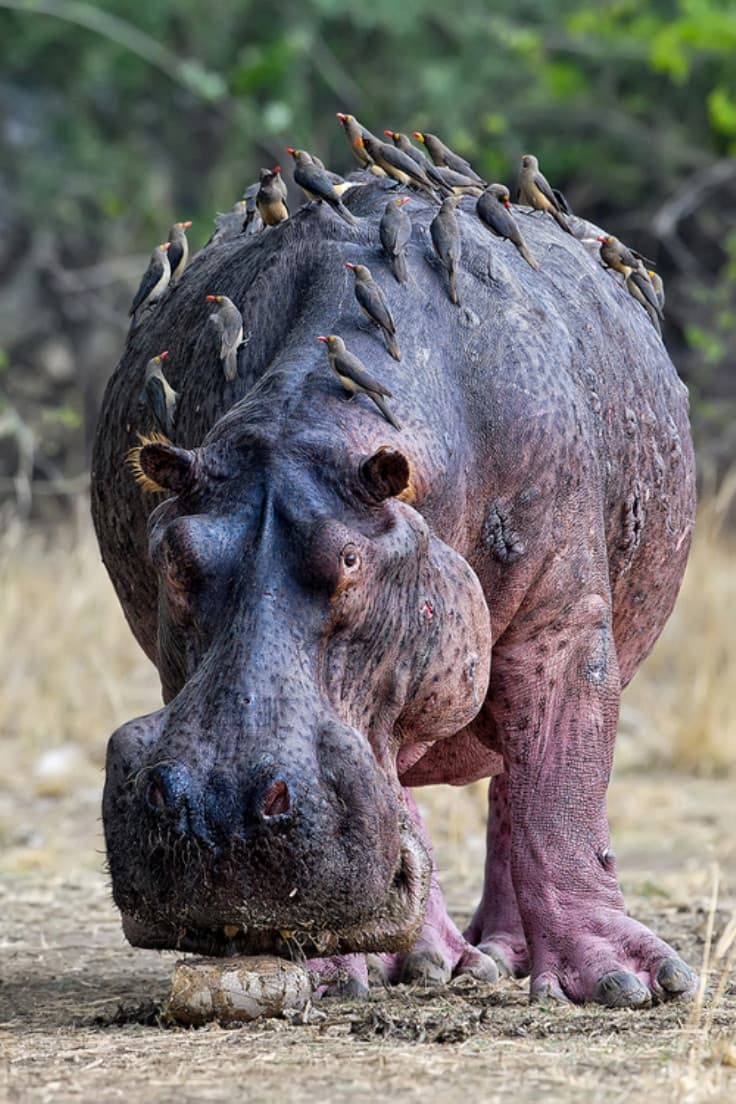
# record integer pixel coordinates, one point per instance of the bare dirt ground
(79, 1009)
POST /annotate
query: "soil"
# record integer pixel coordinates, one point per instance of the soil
(80, 1009)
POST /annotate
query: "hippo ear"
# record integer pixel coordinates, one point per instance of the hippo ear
(386, 473)
(160, 466)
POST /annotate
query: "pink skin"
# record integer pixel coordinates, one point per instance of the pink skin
(341, 976)
(496, 928)
(440, 952)
(555, 704)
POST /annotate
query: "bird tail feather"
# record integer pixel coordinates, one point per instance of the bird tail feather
(382, 406)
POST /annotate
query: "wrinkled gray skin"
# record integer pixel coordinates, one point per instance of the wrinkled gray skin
(320, 594)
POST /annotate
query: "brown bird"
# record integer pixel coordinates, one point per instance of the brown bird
(395, 231)
(458, 183)
(399, 166)
(639, 287)
(158, 395)
(352, 374)
(155, 279)
(618, 256)
(445, 235)
(373, 305)
(402, 142)
(535, 191)
(437, 176)
(270, 198)
(353, 132)
(493, 209)
(444, 157)
(178, 252)
(228, 323)
(316, 184)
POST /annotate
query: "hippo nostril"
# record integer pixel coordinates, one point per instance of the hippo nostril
(155, 796)
(277, 800)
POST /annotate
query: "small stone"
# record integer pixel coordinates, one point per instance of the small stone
(236, 990)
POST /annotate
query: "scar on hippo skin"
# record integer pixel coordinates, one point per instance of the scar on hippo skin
(499, 538)
(632, 523)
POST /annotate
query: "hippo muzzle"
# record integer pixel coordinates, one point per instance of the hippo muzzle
(312, 850)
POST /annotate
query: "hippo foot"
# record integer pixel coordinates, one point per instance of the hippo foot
(440, 953)
(509, 951)
(615, 961)
(344, 976)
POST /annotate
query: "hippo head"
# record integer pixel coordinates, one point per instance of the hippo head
(309, 626)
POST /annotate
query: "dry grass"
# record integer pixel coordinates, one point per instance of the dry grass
(680, 705)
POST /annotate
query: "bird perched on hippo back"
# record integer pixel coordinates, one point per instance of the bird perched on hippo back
(355, 134)
(535, 191)
(374, 306)
(316, 184)
(158, 397)
(445, 234)
(354, 377)
(227, 322)
(444, 157)
(639, 287)
(493, 209)
(400, 166)
(621, 258)
(395, 231)
(155, 279)
(178, 251)
(271, 197)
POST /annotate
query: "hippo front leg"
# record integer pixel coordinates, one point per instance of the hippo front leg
(555, 698)
(441, 952)
(496, 927)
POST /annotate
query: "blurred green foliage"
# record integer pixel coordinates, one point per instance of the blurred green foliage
(120, 117)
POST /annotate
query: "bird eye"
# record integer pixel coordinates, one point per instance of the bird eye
(351, 557)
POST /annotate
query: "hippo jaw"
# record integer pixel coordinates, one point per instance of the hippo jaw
(394, 926)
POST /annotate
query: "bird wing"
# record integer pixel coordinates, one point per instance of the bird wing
(542, 184)
(445, 238)
(394, 230)
(371, 299)
(645, 287)
(316, 181)
(232, 324)
(175, 254)
(155, 396)
(348, 365)
(150, 278)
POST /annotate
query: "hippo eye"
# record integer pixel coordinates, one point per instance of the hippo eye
(351, 557)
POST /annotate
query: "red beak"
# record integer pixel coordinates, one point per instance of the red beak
(349, 265)
(320, 338)
(166, 245)
(418, 134)
(211, 298)
(277, 168)
(340, 116)
(163, 355)
(507, 205)
(187, 224)
(403, 200)
(290, 150)
(600, 238)
(390, 133)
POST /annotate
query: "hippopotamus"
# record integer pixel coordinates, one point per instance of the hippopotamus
(341, 611)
